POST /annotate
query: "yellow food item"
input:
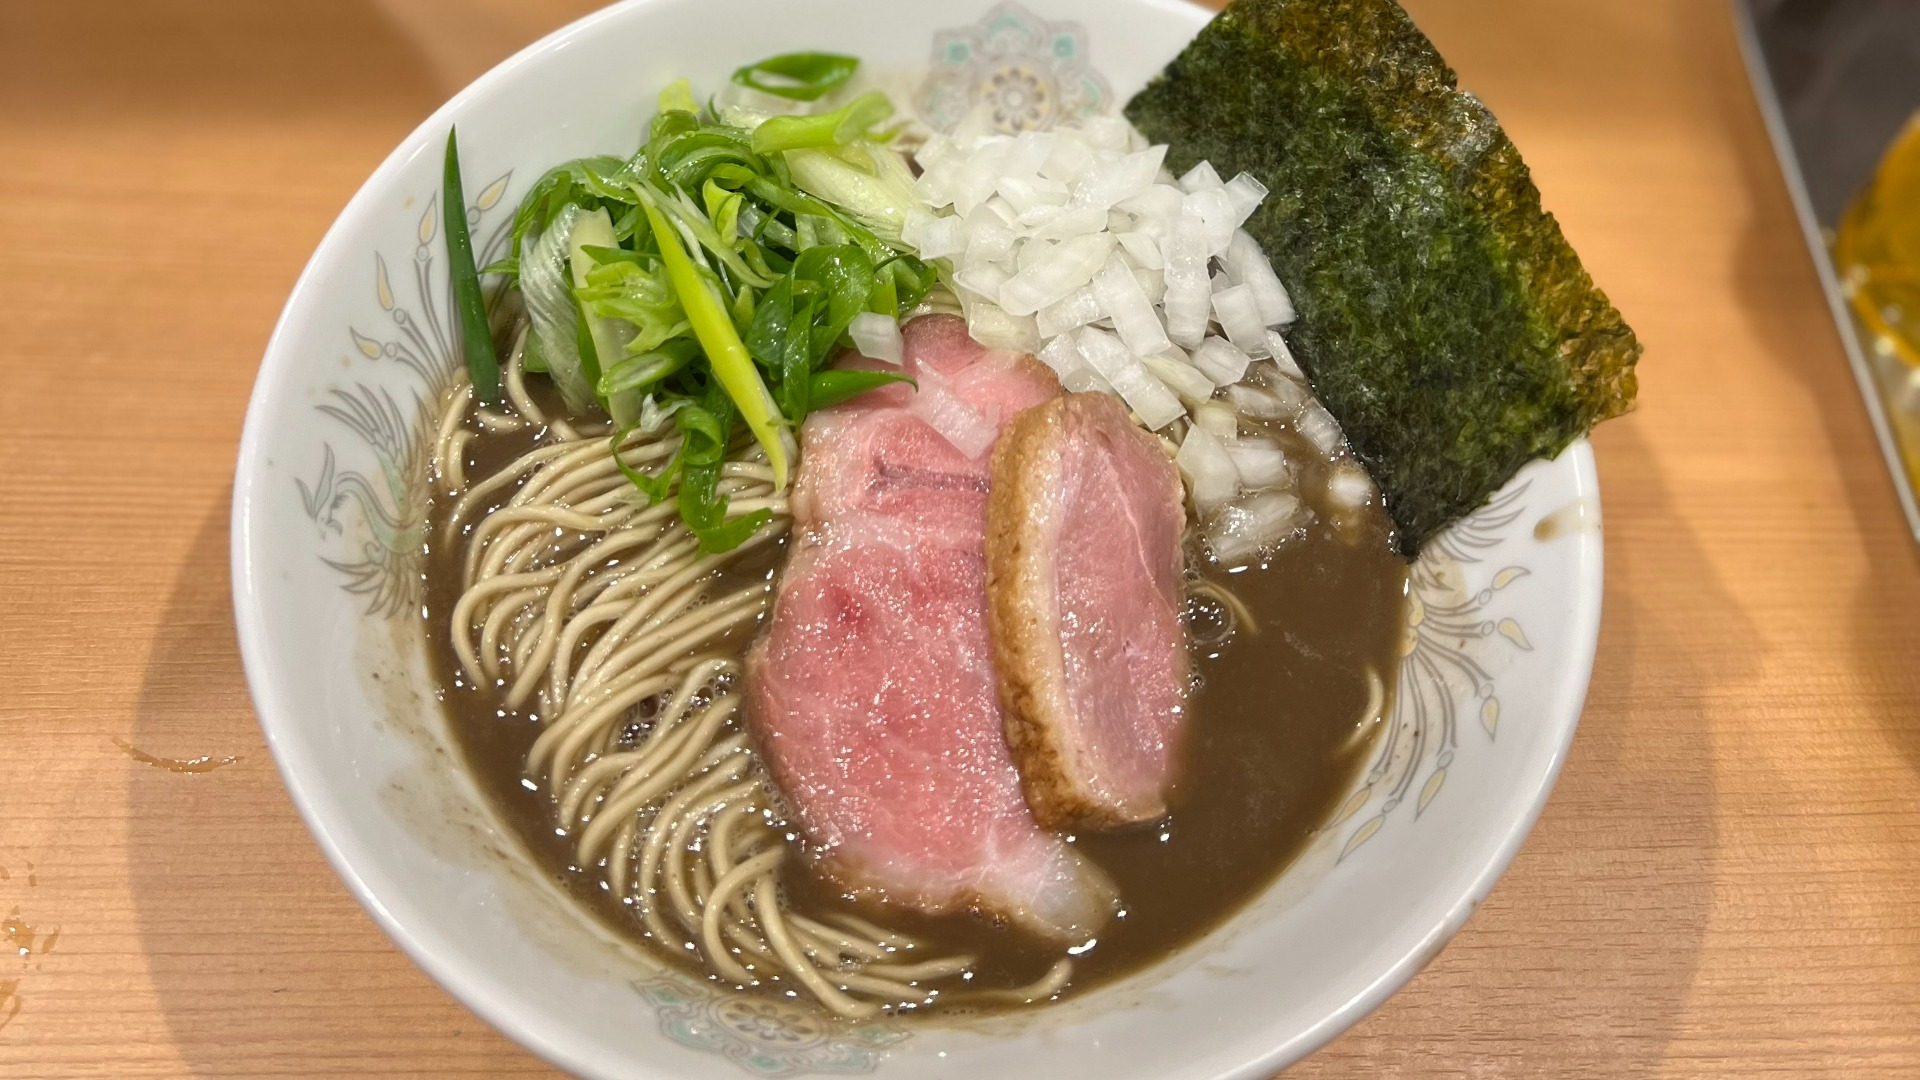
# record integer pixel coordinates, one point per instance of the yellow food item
(1877, 249)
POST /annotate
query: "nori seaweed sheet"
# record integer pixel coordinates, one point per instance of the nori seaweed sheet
(1443, 319)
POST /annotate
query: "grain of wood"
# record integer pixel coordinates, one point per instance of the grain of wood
(1725, 884)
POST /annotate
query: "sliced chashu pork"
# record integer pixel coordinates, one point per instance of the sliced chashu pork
(873, 690)
(1084, 566)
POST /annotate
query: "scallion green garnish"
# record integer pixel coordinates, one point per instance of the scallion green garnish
(469, 303)
(829, 388)
(854, 120)
(798, 76)
(707, 281)
(713, 328)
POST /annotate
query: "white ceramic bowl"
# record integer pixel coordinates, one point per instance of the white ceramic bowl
(327, 526)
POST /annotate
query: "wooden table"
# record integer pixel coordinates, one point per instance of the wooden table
(1726, 883)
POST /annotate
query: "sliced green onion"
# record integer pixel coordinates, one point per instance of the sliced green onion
(583, 340)
(843, 125)
(803, 76)
(705, 429)
(607, 256)
(656, 488)
(730, 533)
(469, 304)
(678, 97)
(643, 371)
(714, 328)
(829, 388)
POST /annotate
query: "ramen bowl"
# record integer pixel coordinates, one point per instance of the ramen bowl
(329, 526)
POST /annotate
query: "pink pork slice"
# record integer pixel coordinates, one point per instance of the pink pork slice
(1084, 562)
(873, 691)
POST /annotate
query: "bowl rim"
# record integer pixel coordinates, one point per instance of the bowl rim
(308, 791)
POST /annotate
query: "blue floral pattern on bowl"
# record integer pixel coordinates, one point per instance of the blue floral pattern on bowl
(1030, 74)
(766, 1037)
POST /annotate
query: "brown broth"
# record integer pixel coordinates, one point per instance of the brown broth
(1270, 751)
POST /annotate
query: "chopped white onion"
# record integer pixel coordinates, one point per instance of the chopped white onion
(1160, 202)
(1248, 265)
(1261, 403)
(999, 207)
(1109, 184)
(1066, 268)
(1210, 473)
(1134, 319)
(1070, 314)
(913, 230)
(1202, 177)
(989, 239)
(984, 278)
(1076, 311)
(1038, 216)
(1283, 357)
(1154, 284)
(1085, 380)
(1221, 362)
(1029, 153)
(1189, 295)
(1348, 486)
(1071, 221)
(1193, 387)
(1070, 159)
(1319, 427)
(943, 410)
(1254, 524)
(1240, 317)
(1261, 464)
(932, 186)
(1108, 132)
(1028, 194)
(1148, 397)
(1143, 250)
(1293, 392)
(934, 150)
(1217, 417)
(942, 238)
(877, 337)
(1216, 212)
(973, 182)
(1063, 356)
(1245, 192)
(991, 325)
